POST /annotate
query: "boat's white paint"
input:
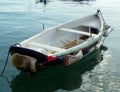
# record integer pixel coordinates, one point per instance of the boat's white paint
(56, 37)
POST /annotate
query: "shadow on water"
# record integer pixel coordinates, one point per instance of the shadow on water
(69, 78)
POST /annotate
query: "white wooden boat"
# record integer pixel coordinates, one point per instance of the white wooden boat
(63, 44)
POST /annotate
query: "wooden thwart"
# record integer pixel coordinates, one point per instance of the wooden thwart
(75, 42)
(77, 31)
(70, 44)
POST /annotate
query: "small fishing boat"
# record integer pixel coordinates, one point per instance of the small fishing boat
(65, 44)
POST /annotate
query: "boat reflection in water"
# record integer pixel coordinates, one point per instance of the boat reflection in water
(66, 78)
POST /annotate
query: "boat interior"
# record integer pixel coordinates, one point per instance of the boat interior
(62, 39)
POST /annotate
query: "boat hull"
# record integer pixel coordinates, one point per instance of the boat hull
(72, 42)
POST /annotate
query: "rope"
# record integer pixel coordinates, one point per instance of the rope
(103, 40)
(1, 74)
(6, 78)
(6, 62)
(17, 44)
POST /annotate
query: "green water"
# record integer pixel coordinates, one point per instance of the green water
(20, 19)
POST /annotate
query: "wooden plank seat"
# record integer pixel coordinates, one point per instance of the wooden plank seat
(48, 47)
(76, 31)
(70, 44)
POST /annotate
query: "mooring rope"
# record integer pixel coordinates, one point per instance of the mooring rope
(6, 62)
(1, 74)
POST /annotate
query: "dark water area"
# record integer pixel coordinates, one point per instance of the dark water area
(21, 19)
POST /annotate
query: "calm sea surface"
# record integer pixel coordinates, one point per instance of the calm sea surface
(21, 19)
